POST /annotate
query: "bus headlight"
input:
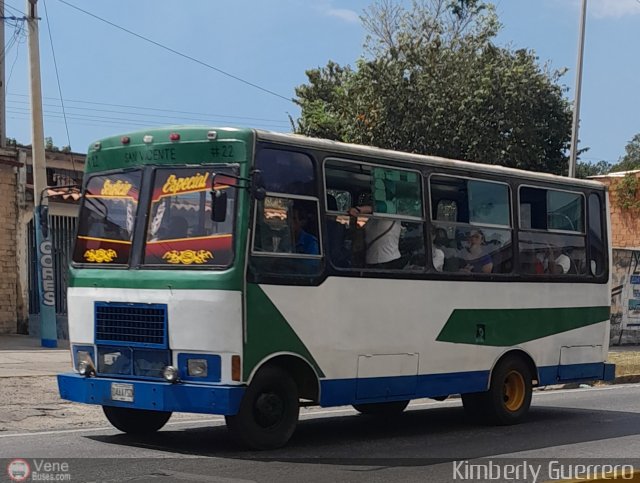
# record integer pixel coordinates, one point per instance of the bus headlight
(86, 369)
(170, 374)
(197, 368)
(84, 363)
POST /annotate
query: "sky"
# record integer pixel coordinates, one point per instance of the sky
(247, 57)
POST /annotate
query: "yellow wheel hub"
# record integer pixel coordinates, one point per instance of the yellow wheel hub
(514, 391)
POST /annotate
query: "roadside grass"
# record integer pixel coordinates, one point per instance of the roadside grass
(627, 364)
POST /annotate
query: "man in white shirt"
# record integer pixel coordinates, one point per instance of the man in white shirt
(382, 238)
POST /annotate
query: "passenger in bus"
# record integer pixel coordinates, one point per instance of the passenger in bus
(558, 264)
(304, 242)
(437, 253)
(478, 261)
(336, 236)
(382, 238)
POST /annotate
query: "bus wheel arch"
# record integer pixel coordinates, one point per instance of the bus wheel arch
(302, 372)
(269, 410)
(525, 357)
(508, 397)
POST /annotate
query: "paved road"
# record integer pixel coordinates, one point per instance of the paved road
(338, 445)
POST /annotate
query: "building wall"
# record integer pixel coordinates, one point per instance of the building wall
(16, 210)
(8, 259)
(625, 224)
(625, 265)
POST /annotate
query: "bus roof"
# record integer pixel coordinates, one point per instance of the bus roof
(199, 132)
(387, 154)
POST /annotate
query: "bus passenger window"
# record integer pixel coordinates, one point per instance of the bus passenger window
(286, 172)
(597, 245)
(286, 236)
(382, 228)
(471, 225)
(552, 238)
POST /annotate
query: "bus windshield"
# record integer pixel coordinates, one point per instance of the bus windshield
(180, 229)
(106, 220)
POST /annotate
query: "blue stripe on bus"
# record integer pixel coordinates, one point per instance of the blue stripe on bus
(158, 396)
(338, 392)
(208, 399)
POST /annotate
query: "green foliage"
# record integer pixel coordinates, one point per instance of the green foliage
(631, 159)
(627, 193)
(433, 82)
(584, 170)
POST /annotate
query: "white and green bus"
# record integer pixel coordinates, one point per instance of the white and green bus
(246, 273)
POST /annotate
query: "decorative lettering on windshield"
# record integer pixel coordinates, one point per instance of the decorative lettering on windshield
(100, 255)
(187, 257)
(176, 185)
(107, 219)
(180, 230)
(117, 188)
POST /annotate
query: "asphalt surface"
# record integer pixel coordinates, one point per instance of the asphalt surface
(594, 425)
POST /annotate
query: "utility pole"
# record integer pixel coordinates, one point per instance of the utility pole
(44, 253)
(576, 101)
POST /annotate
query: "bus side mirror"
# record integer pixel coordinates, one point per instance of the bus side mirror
(218, 205)
(257, 189)
(259, 194)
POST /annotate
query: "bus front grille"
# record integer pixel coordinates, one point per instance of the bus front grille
(131, 324)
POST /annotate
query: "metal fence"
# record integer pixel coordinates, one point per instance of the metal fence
(62, 231)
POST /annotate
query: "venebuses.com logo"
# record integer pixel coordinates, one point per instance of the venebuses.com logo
(18, 470)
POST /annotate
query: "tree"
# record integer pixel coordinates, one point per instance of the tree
(631, 160)
(584, 170)
(433, 82)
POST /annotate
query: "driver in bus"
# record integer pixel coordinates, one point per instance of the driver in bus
(305, 242)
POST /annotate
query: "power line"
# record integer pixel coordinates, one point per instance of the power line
(146, 109)
(143, 117)
(181, 54)
(19, 33)
(13, 9)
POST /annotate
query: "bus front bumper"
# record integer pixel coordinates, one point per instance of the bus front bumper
(157, 396)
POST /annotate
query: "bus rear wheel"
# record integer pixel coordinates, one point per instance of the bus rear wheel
(136, 421)
(381, 409)
(269, 410)
(509, 396)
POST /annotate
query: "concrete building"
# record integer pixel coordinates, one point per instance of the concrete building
(18, 294)
(624, 197)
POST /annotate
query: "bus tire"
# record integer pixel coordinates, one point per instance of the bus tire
(509, 396)
(136, 421)
(268, 412)
(382, 409)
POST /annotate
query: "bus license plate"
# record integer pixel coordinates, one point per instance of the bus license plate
(121, 392)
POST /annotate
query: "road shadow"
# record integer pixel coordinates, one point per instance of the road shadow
(418, 437)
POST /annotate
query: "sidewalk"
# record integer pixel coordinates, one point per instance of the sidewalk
(21, 355)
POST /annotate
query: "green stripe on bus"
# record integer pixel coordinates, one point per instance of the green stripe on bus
(508, 327)
(157, 279)
(269, 332)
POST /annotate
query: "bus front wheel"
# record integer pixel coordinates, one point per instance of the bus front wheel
(269, 410)
(136, 421)
(509, 396)
(381, 409)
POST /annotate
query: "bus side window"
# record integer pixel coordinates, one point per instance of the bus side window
(552, 235)
(471, 225)
(597, 247)
(286, 236)
(378, 223)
